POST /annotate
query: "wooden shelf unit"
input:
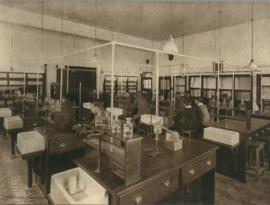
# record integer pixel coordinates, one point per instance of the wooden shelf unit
(121, 84)
(180, 83)
(10, 81)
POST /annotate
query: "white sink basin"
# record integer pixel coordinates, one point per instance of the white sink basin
(221, 136)
(151, 119)
(31, 141)
(115, 111)
(75, 186)
(13, 122)
(5, 112)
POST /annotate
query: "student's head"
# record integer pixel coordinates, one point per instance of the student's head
(190, 100)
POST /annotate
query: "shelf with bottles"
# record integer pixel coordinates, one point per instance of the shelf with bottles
(146, 81)
(195, 92)
(180, 85)
(165, 87)
(265, 87)
(195, 85)
(243, 82)
(122, 84)
(13, 85)
(243, 95)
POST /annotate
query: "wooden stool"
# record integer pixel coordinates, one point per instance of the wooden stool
(264, 136)
(256, 157)
(188, 133)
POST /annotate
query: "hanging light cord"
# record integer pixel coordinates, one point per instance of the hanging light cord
(252, 19)
(95, 22)
(62, 26)
(42, 30)
(183, 28)
(170, 18)
(220, 32)
(95, 26)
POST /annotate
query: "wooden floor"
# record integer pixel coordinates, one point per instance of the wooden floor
(13, 189)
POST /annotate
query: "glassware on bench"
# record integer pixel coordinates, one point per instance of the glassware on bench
(128, 128)
(106, 120)
(98, 120)
(157, 131)
(116, 125)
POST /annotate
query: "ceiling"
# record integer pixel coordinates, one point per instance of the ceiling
(150, 20)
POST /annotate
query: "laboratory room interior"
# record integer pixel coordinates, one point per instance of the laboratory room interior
(134, 102)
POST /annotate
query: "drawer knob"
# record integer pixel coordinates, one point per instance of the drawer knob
(62, 144)
(138, 200)
(209, 163)
(167, 183)
(192, 171)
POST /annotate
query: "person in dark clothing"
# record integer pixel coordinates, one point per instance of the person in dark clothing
(179, 102)
(64, 119)
(190, 118)
(141, 106)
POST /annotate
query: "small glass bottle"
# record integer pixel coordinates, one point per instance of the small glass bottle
(115, 125)
(128, 128)
(98, 120)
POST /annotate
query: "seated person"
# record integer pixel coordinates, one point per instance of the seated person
(179, 102)
(141, 106)
(204, 112)
(190, 118)
(128, 106)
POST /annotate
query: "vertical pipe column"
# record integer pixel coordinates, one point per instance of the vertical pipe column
(98, 80)
(67, 79)
(61, 85)
(24, 84)
(80, 99)
(261, 96)
(37, 88)
(157, 84)
(218, 94)
(218, 85)
(233, 86)
(112, 77)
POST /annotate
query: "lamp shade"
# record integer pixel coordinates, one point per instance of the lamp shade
(252, 65)
(170, 47)
(94, 59)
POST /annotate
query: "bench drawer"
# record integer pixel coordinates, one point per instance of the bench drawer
(151, 191)
(193, 171)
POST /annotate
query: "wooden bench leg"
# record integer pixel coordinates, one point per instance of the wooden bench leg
(268, 154)
(30, 169)
(13, 140)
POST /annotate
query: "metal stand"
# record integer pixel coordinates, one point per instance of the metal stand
(98, 169)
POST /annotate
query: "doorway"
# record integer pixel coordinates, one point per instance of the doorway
(73, 76)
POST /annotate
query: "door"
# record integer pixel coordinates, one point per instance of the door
(87, 78)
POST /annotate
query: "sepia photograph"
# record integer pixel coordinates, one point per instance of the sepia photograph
(134, 102)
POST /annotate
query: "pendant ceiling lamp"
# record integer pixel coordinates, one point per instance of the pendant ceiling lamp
(252, 64)
(170, 46)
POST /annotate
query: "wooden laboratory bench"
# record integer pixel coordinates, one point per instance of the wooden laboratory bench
(61, 149)
(262, 115)
(231, 160)
(185, 176)
(30, 158)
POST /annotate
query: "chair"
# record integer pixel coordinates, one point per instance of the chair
(256, 157)
(188, 133)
